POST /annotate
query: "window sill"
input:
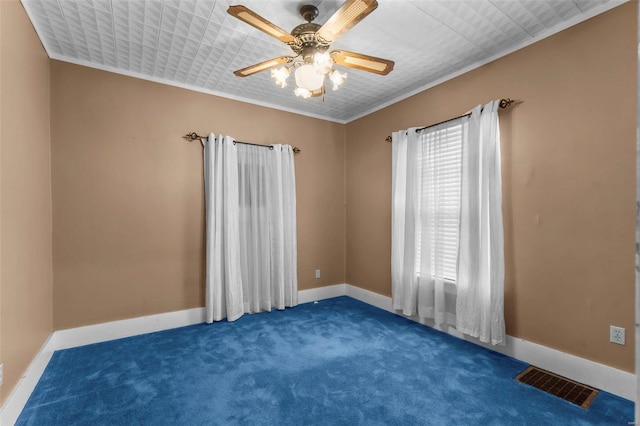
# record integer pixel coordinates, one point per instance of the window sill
(449, 286)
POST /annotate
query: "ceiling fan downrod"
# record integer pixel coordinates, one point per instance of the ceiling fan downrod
(309, 12)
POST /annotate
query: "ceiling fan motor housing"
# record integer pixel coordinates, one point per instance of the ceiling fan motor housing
(306, 39)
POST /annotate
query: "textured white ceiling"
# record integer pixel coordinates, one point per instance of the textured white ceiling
(196, 44)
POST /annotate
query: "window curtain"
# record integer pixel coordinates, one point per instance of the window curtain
(480, 288)
(404, 280)
(421, 215)
(474, 302)
(251, 253)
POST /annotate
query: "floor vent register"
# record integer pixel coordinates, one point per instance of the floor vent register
(574, 392)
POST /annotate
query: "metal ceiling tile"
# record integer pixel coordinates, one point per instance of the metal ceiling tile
(587, 5)
(196, 42)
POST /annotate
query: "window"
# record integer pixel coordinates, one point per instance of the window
(439, 175)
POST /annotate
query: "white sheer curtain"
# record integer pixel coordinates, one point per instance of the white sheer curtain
(251, 257)
(447, 257)
(404, 279)
(480, 301)
(426, 179)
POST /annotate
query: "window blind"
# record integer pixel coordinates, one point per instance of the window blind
(439, 170)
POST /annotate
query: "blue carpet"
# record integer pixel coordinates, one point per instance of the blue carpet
(336, 362)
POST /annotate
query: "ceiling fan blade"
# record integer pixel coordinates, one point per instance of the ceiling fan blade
(257, 21)
(253, 69)
(362, 62)
(349, 14)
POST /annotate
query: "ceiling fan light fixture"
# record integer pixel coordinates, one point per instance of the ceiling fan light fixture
(310, 42)
(280, 76)
(337, 78)
(322, 62)
(299, 91)
(307, 78)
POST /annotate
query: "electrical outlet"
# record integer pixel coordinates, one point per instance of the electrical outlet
(317, 273)
(616, 335)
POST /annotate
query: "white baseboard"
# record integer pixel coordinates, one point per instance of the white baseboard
(369, 297)
(582, 370)
(320, 293)
(80, 336)
(600, 376)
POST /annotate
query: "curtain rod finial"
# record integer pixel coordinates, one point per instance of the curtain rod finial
(506, 102)
(193, 136)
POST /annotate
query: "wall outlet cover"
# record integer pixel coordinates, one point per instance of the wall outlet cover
(616, 335)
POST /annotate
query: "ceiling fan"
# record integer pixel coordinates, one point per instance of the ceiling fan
(310, 43)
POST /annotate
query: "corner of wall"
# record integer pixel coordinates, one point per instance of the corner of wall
(25, 196)
(346, 204)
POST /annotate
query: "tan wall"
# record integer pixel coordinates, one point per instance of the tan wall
(568, 158)
(128, 192)
(25, 176)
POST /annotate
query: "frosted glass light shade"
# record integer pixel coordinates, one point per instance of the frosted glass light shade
(307, 78)
(337, 78)
(299, 91)
(280, 75)
(322, 62)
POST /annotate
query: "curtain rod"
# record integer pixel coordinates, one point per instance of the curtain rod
(193, 136)
(503, 104)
